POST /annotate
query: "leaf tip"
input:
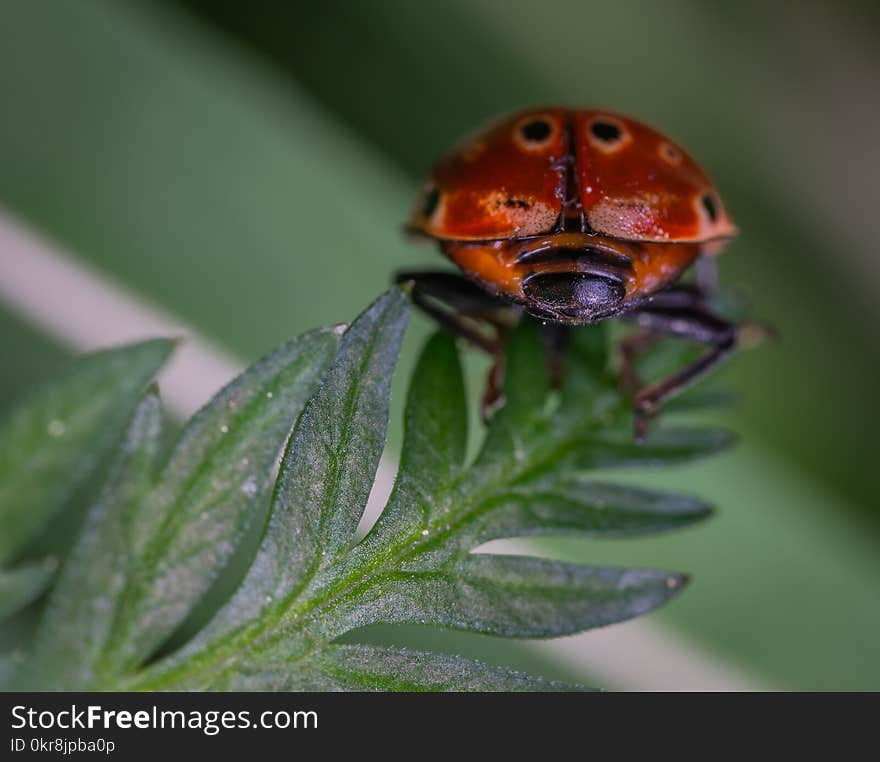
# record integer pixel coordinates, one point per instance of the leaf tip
(164, 344)
(700, 511)
(676, 582)
(725, 438)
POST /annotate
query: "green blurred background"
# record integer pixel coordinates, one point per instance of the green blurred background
(247, 166)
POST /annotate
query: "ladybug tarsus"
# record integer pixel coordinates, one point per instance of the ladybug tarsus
(680, 312)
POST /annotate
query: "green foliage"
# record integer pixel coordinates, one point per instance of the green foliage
(53, 446)
(53, 443)
(164, 526)
(24, 583)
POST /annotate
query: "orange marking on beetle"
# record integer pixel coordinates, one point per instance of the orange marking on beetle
(636, 194)
(536, 132)
(670, 153)
(472, 151)
(608, 134)
(504, 169)
(494, 264)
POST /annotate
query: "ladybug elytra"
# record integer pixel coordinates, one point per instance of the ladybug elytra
(575, 216)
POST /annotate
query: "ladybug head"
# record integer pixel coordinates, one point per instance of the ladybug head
(572, 278)
(573, 297)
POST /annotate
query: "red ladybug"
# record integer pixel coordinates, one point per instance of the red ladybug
(575, 216)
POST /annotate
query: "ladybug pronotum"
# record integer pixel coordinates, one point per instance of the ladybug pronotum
(574, 216)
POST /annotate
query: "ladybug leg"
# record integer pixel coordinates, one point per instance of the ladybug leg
(683, 296)
(695, 324)
(493, 392)
(464, 309)
(556, 339)
(460, 307)
(649, 399)
(630, 348)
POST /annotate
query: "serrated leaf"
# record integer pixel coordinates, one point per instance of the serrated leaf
(54, 441)
(664, 446)
(377, 668)
(384, 668)
(577, 505)
(212, 488)
(81, 610)
(311, 582)
(327, 471)
(514, 596)
(23, 584)
(415, 565)
(327, 477)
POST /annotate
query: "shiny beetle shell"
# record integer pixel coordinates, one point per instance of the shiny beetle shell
(547, 194)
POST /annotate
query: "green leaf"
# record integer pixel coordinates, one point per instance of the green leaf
(23, 584)
(54, 442)
(586, 371)
(216, 482)
(156, 540)
(384, 668)
(435, 445)
(703, 398)
(327, 471)
(514, 596)
(77, 621)
(578, 505)
(526, 388)
(664, 446)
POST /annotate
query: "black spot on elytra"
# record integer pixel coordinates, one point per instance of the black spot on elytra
(605, 131)
(708, 201)
(536, 131)
(516, 202)
(432, 198)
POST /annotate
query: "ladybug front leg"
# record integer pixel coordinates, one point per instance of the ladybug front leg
(630, 348)
(460, 307)
(662, 316)
(694, 323)
(649, 398)
(463, 309)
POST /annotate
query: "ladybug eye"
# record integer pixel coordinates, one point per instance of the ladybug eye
(710, 205)
(536, 131)
(432, 198)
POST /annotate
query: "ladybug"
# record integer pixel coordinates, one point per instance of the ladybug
(571, 217)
